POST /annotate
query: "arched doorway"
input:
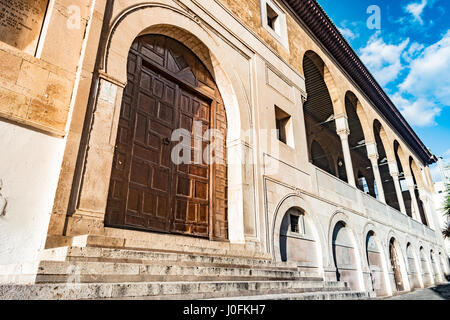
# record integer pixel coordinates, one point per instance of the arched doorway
(374, 259)
(413, 273)
(344, 255)
(169, 88)
(297, 242)
(395, 264)
(426, 273)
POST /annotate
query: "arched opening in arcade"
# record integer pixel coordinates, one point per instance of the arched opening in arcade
(325, 147)
(382, 142)
(362, 167)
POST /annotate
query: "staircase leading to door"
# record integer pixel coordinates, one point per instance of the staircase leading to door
(108, 272)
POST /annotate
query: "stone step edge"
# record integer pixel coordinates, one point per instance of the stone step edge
(233, 295)
(64, 252)
(62, 279)
(181, 264)
(286, 296)
(238, 250)
(116, 288)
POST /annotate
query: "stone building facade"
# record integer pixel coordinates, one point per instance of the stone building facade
(318, 168)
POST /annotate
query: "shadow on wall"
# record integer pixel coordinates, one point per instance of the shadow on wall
(443, 290)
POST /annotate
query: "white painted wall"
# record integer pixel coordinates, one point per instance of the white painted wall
(30, 163)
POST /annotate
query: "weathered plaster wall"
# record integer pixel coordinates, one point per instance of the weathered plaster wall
(29, 168)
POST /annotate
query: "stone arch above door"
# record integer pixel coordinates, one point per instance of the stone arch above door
(89, 198)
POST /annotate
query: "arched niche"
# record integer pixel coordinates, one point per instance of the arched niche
(284, 241)
(375, 260)
(413, 270)
(345, 255)
(425, 268)
(399, 274)
(297, 240)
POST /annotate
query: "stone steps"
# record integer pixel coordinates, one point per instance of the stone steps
(118, 255)
(323, 295)
(171, 243)
(78, 271)
(164, 290)
(91, 271)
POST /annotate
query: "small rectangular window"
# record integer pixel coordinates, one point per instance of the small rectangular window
(272, 19)
(283, 126)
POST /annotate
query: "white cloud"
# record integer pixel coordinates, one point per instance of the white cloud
(347, 33)
(435, 173)
(426, 88)
(418, 111)
(382, 59)
(416, 9)
(428, 76)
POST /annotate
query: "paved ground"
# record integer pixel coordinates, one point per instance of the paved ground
(441, 292)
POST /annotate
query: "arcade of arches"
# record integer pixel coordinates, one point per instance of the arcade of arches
(346, 146)
(396, 270)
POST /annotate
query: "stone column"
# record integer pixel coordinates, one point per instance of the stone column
(411, 188)
(372, 153)
(393, 170)
(343, 131)
(93, 192)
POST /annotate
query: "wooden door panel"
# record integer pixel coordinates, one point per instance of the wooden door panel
(148, 191)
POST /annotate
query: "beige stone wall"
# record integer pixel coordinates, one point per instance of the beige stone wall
(37, 90)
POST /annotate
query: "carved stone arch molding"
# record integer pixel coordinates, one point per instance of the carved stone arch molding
(337, 217)
(148, 18)
(295, 201)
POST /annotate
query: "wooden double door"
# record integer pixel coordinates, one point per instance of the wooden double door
(169, 88)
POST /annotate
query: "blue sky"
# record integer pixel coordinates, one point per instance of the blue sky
(409, 56)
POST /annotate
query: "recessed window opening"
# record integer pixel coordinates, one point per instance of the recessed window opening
(283, 126)
(297, 223)
(294, 223)
(273, 20)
